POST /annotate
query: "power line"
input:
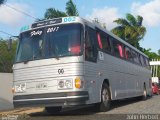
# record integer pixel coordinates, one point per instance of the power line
(21, 12)
(6, 33)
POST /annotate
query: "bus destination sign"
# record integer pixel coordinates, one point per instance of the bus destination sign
(48, 22)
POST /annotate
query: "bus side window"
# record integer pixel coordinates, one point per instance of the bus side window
(108, 43)
(115, 48)
(128, 54)
(139, 59)
(90, 45)
(103, 41)
(147, 62)
(118, 48)
(142, 60)
(135, 57)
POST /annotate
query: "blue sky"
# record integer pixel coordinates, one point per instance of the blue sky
(106, 10)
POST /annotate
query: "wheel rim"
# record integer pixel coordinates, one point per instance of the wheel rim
(144, 93)
(105, 97)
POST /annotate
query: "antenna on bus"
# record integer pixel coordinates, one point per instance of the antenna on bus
(96, 20)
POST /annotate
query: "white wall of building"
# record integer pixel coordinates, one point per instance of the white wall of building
(6, 96)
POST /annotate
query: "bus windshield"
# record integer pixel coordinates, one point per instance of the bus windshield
(53, 41)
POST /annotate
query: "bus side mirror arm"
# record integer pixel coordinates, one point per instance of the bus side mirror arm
(9, 44)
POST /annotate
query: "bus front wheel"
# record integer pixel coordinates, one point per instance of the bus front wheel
(104, 105)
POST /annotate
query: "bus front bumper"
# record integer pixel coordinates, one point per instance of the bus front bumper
(51, 99)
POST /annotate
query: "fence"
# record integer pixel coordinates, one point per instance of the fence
(155, 67)
(6, 56)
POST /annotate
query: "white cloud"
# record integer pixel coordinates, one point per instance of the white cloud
(105, 15)
(11, 17)
(150, 12)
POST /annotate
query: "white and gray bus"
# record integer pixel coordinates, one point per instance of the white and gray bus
(70, 61)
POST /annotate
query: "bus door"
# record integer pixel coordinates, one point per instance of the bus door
(90, 64)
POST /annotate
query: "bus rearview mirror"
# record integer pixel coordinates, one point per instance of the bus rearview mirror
(9, 45)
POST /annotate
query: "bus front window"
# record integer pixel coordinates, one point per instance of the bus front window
(65, 40)
(52, 41)
(31, 46)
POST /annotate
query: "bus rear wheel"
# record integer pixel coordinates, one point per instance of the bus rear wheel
(104, 105)
(53, 110)
(144, 96)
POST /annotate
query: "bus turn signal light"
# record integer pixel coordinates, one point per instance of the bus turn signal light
(78, 82)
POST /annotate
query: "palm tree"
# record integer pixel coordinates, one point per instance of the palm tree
(130, 29)
(2, 2)
(159, 52)
(53, 13)
(71, 10)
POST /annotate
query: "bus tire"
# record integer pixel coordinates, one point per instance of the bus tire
(144, 96)
(53, 110)
(104, 105)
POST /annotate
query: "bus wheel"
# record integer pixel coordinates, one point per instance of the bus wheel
(144, 97)
(105, 99)
(53, 110)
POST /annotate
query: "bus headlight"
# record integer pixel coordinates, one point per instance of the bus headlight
(65, 84)
(19, 88)
(68, 83)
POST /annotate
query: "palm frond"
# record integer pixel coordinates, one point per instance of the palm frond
(130, 29)
(71, 9)
(139, 20)
(119, 31)
(132, 20)
(141, 32)
(121, 22)
(53, 13)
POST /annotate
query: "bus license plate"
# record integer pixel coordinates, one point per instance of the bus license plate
(41, 86)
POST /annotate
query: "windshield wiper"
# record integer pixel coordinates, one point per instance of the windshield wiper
(55, 53)
(31, 58)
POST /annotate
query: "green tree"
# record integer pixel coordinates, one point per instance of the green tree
(71, 10)
(53, 13)
(159, 52)
(2, 2)
(130, 29)
(6, 56)
(150, 54)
